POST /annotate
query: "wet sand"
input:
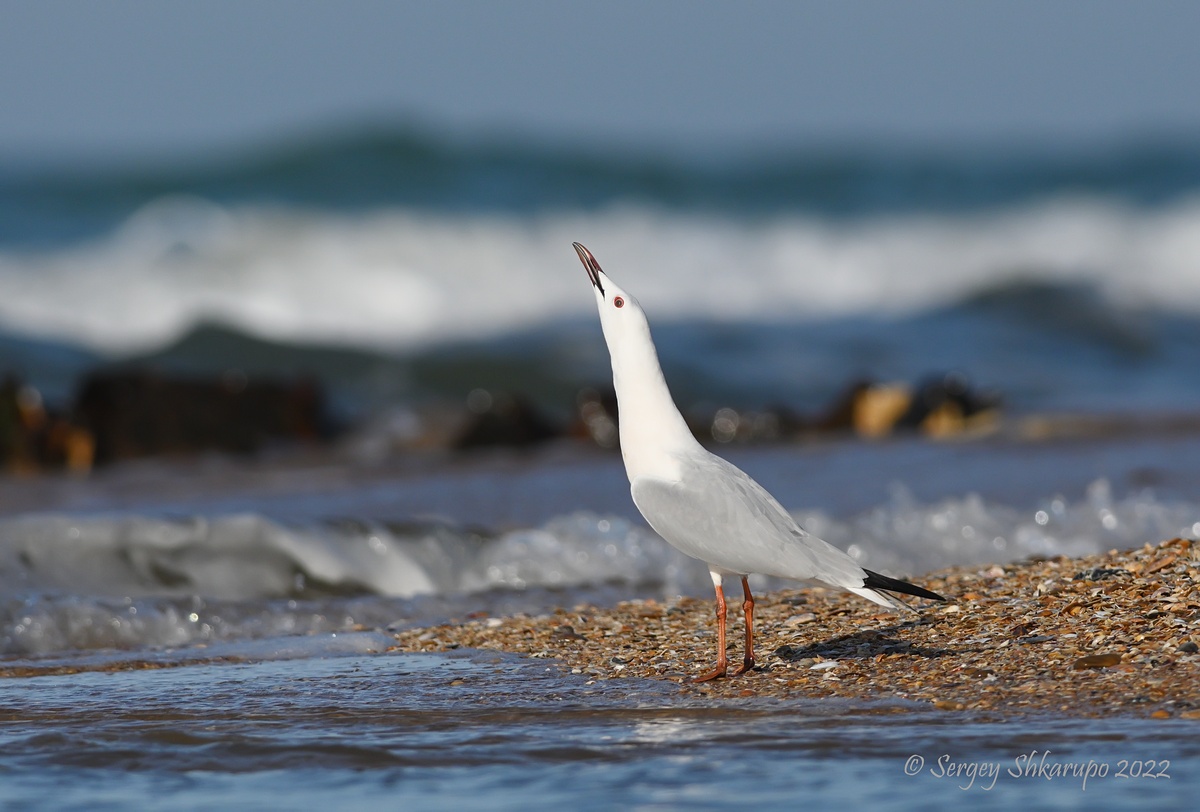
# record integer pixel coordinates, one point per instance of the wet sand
(1103, 635)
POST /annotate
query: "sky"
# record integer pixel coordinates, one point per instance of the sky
(131, 77)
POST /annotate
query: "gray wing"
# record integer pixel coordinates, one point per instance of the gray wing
(718, 514)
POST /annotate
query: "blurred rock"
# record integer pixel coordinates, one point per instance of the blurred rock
(749, 426)
(131, 412)
(33, 439)
(843, 413)
(141, 413)
(878, 409)
(12, 426)
(503, 419)
(596, 416)
(945, 406)
(942, 406)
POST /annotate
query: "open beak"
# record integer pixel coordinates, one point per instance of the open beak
(591, 266)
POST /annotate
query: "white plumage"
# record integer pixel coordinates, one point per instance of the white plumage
(703, 505)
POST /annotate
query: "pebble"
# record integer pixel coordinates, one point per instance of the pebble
(1097, 661)
(1099, 574)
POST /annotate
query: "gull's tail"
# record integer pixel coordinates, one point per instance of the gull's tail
(875, 588)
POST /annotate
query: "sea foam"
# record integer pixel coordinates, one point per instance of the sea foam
(397, 278)
(130, 581)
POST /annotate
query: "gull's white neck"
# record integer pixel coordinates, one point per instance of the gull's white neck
(653, 432)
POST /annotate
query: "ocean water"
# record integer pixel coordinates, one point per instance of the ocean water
(397, 267)
(332, 727)
(403, 272)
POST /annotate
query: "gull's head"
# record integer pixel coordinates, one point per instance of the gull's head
(619, 312)
(652, 430)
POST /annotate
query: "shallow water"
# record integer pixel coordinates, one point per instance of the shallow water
(332, 726)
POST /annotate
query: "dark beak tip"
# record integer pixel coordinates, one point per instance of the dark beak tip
(590, 265)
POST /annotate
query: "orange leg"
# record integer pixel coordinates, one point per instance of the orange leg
(748, 608)
(722, 661)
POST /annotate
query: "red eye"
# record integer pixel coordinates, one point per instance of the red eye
(618, 301)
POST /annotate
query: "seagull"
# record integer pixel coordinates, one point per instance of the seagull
(702, 505)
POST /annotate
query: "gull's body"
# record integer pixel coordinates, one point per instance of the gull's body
(700, 504)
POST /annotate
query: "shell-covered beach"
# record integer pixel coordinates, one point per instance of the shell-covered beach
(1106, 634)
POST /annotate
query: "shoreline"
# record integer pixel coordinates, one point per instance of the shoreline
(1093, 636)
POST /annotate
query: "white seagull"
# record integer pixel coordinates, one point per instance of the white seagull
(700, 504)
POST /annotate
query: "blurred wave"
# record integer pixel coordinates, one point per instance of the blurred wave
(370, 167)
(399, 278)
(135, 581)
(1063, 302)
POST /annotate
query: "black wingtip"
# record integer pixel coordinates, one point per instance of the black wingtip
(876, 581)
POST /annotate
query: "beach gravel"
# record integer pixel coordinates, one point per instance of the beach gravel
(1115, 633)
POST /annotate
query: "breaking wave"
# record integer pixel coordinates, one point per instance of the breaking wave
(137, 581)
(393, 279)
